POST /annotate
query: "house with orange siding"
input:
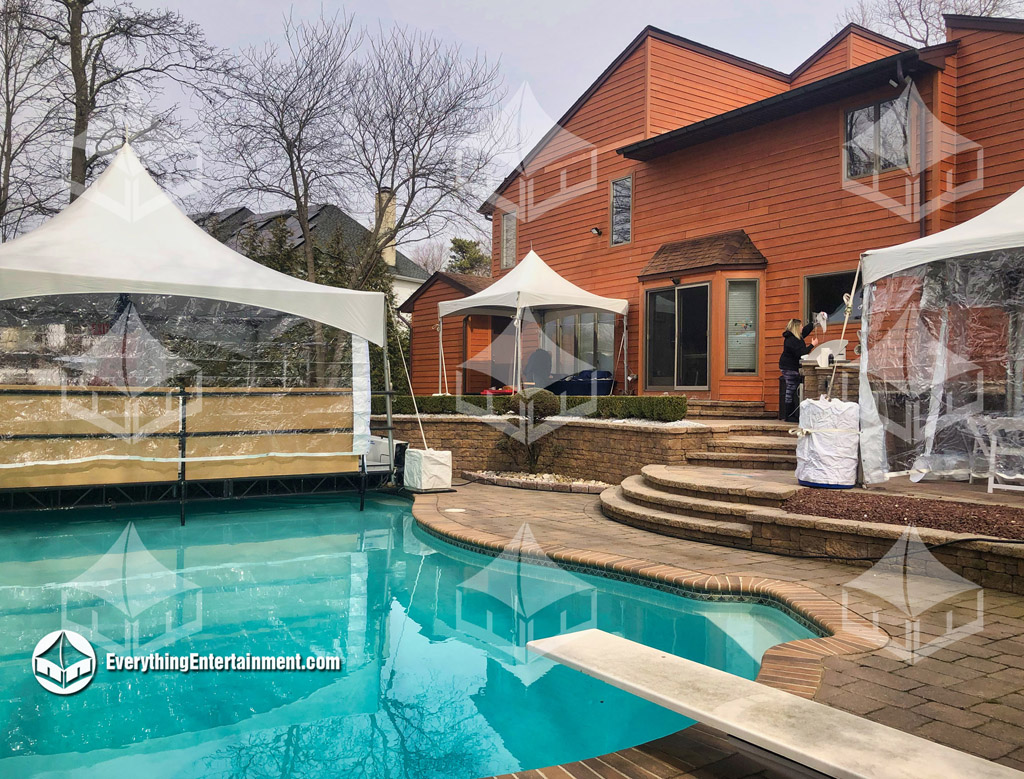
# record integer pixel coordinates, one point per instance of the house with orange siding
(722, 198)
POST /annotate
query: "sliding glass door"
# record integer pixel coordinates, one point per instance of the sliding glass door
(678, 333)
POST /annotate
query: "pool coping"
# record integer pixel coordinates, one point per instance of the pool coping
(794, 666)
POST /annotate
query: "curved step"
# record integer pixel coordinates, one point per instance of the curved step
(768, 460)
(755, 443)
(637, 490)
(617, 506)
(763, 488)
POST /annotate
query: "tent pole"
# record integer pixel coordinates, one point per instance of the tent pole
(387, 405)
(842, 337)
(440, 352)
(517, 365)
(625, 353)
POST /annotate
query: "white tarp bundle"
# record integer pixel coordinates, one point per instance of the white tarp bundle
(826, 452)
(531, 284)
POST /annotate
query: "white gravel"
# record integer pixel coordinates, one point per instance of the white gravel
(542, 477)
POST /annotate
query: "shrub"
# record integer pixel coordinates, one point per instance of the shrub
(656, 408)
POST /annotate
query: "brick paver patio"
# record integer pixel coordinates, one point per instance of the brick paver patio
(968, 695)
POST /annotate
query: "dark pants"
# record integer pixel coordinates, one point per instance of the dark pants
(791, 395)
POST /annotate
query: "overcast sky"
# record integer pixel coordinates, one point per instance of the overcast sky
(557, 47)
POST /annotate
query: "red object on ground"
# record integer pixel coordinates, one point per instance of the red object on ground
(502, 391)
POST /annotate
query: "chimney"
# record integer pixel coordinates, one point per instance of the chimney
(385, 216)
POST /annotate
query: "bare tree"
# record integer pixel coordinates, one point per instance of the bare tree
(421, 130)
(920, 22)
(276, 127)
(115, 54)
(431, 255)
(32, 118)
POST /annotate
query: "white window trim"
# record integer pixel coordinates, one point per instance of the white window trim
(611, 211)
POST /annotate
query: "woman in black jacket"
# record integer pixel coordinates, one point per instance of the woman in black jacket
(793, 348)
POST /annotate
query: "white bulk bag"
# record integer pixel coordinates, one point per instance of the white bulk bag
(827, 450)
(427, 470)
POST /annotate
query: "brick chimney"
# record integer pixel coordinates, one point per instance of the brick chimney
(385, 216)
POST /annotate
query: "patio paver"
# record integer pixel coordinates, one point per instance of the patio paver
(968, 695)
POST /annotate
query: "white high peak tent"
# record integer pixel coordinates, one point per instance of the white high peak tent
(960, 356)
(531, 284)
(124, 234)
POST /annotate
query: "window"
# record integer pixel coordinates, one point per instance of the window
(508, 240)
(741, 326)
(677, 335)
(622, 211)
(825, 293)
(878, 138)
(580, 342)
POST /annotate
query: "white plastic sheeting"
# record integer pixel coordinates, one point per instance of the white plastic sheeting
(942, 369)
(827, 450)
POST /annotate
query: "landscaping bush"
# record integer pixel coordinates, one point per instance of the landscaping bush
(656, 408)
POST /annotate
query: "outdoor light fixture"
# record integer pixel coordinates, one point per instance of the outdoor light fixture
(595, 230)
(893, 84)
(675, 280)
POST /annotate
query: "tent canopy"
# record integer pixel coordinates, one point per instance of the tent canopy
(1001, 227)
(531, 284)
(124, 234)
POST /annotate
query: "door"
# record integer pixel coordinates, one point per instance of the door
(692, 339)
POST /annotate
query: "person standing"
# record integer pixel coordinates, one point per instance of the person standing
(794, 348)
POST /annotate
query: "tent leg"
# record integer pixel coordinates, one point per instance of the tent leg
(517, 369)
(842, 337)
(625, 354)
(440, 354)
(182, 435)
(387, 408)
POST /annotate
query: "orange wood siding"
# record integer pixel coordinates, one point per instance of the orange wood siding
(864, 50)
(423, 345)
(687, 86)
(835, 60)
(990, 71)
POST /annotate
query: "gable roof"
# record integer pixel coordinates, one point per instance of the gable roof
(851, 29)
(325, 221)
(732, 247)
(991, 23)
(859, 79)
(487, 207)
(462, 282)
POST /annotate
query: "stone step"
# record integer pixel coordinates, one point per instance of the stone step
(764, 460)
(639, 491)
(755, 443)
(617, 506)
(727, 413)
(741, 485)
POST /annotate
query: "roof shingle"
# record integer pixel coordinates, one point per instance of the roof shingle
(729, 248)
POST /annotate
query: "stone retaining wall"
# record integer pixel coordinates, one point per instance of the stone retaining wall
(847, 381)
(598, 450)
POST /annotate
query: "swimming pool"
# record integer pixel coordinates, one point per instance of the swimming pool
(436, 681)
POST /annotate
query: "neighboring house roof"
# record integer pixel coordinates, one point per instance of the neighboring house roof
(785, 80)
(325, 221)
(463, 282)
(732, 248)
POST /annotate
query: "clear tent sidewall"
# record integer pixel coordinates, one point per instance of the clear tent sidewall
(517, 323)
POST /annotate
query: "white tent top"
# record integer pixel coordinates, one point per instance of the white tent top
(1001, 227)
(531, 284)
(124, 234)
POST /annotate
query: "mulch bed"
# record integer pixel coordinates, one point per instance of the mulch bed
(954, 516)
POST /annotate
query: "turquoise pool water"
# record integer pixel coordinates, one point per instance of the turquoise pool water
(436, 680)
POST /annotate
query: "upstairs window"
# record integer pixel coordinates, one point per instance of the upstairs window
(877, 138)
(508, 240)
(622, 211)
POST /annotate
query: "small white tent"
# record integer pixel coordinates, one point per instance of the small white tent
(532, 284)
(124, 234)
